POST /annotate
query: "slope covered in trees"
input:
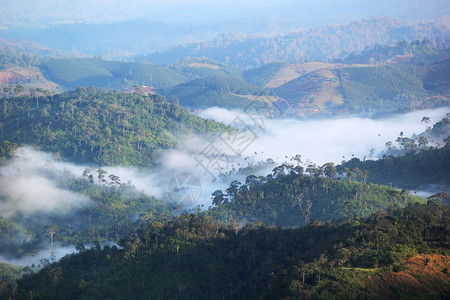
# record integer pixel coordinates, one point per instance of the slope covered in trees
(108, 213)
(197, 258)
(102, 128)
(411, 170)
(290, 198)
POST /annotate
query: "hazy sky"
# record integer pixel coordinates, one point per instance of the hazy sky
(40, 12)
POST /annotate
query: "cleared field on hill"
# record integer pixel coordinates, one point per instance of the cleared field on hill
(28, 77)
(284, 76)
(204, 65)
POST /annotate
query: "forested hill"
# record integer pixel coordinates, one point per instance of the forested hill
(110, 128)
(402, 255)
(410, 170)
(290, 198)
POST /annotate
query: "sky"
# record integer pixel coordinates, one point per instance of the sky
(45, 12)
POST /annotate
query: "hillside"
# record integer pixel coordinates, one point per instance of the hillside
(108, 213)
(390, 78)
(316, 44)
(73, 72)
(290, 198)
(264, 75)
(24, 80)
(197, 258)
(110, 128)
(412, 170)
(213, 91)
(368, 88)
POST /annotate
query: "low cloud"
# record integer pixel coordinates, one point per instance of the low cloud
(328, 140)
(31, 184)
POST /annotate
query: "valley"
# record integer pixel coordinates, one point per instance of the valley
(230, 150)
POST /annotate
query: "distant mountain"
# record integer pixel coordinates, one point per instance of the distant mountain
(73, 72)
(396, 77)
(316, 44)
(384, 81)
(127, 38)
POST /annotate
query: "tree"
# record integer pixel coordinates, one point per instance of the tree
(306, 214)
(329, 170)
(233, 188)
(426, 120)
(86, 172)
(236, 226)
(114, 179)
(101, 175)
(298, 159)
(349, 174)
(79, 247)
(423, 142)
(320, 263)
(439, 197)
(218, 197)
(19, 89)
(51, 231)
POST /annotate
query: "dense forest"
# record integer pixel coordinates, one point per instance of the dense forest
(111, 209)
(409, 170)
(71, 123)
(288, 197)
(111, 128)
(411, 162)
(402, 254)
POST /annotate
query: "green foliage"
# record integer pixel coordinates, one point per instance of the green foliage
(72, 72)
(146, 74)
(110, 213)
(392, 83)
(7, 152)
(417, 51)
(196, 258)
(410, 170)
(213, 91)
(102, 128)
(294, 199)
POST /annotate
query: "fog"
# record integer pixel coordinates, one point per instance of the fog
(34, 184)
(33, 181)
(42, 254)
(329, 140)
